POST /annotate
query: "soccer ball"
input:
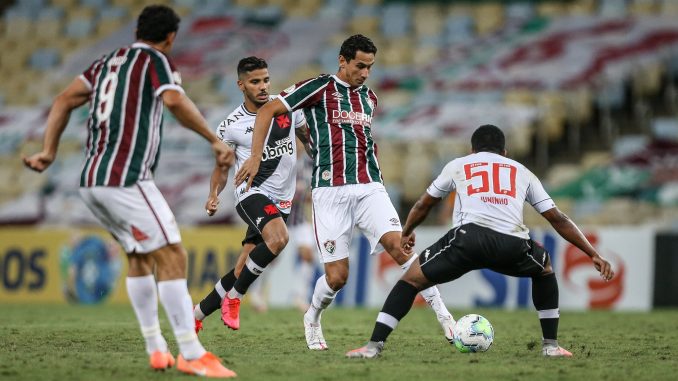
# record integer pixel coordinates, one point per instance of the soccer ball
(473, 333)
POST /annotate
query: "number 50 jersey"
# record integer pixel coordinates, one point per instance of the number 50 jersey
(491, 191)
(276, 178)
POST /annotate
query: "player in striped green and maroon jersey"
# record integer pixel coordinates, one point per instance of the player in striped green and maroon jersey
(347, 184)
(127, 90)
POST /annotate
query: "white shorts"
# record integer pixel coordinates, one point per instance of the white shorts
(137, 216)
(302, 234)
(337, 210)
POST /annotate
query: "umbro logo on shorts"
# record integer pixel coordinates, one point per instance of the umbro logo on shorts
(395, 221)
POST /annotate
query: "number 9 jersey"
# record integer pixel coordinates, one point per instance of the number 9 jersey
(491, 190)
(125, 123)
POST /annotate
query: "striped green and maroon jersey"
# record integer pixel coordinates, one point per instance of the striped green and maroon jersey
(125, 115)
(340, 122)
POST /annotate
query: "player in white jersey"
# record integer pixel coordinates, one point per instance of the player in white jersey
(488, 232)
(265, 206)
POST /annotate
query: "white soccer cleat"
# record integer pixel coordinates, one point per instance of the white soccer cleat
(447, 323)
(314, 336)
(555, 351)
(369, 351)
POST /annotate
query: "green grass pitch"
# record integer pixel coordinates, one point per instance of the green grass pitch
(58, 342)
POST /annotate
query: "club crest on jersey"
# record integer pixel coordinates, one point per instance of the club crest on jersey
(330, 245)
(326, 175)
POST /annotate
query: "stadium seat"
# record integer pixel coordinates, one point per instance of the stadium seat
(582, 7)
(44, 59)
(552, 9)
(643, 7)
(612, 8)
(488, 18)
(79, 28)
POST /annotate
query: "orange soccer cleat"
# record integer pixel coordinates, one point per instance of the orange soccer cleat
(208, 365)
(161, 360)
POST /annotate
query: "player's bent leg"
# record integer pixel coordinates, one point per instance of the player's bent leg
(174, 296)
(391, 242)
(212, 301)
(275, 238)
(397, 305)
(143, 295)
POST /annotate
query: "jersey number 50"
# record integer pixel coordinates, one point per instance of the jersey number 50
(500, 172)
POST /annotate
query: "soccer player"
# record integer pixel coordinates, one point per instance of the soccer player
(488, 232)
(347, 182)
(127, 90)
(266, 204)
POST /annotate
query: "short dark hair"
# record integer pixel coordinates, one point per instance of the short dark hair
(488, 138)
(356, 43)
(156, 22)
(252, 63)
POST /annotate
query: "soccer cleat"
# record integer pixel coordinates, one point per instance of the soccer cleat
(230, 312)
(198, 326)
(161, 360)
(555, 351)
(314, 336)
(208, 365)
(369, 351)
(448, 328)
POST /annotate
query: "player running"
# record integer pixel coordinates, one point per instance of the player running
(488, 232)
(348, 188)
(266, 204)
(127, 90)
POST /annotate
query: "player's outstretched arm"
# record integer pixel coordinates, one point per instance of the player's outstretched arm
(569, 230)
(190, 117)
(262, 124)
(75, 95)
(217, 184)
(416, 216)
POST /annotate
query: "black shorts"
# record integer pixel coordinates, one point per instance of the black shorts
(257, 210)
(472, 247)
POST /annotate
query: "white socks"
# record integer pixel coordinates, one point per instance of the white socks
(179, 308)
(433, 299)
(144, 297)
(323, 296)
(431, 295)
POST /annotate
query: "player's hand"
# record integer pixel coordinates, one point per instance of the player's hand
(211, 205)
(38, 161)
(247, 171)
(224, 154)
(604, 267)
(407, 243)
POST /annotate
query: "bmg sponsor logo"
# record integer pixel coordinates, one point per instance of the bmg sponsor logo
(282, 147)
